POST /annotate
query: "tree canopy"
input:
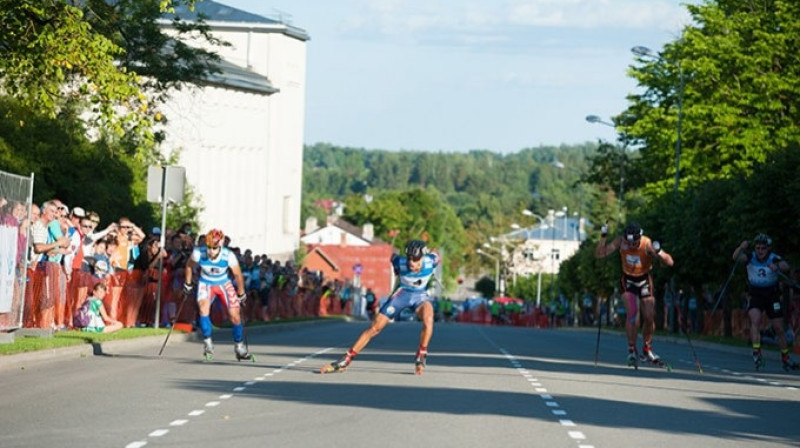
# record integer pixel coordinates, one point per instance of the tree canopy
(79, 86)
(732, 78)
(111, 58)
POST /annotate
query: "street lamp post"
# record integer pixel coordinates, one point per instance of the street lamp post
(596, 119)
(542, 225)
(644, 52)
(503, 261)
(560, 165)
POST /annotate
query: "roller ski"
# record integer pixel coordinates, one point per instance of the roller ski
(419, 363)
(242, 353)
(208, 349)
(788, 364)
(758, 361)
(651, 358)
(633, 360)
(339, 365)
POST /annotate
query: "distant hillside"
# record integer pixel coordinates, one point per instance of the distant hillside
(470, 182)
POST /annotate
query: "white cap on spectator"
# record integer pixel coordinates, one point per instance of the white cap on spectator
(78, 212)
(65, 208)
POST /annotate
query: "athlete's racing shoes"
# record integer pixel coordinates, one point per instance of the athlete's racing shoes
(208, 348)
(336, 366)
(651, 357)
(419, 363)
(241, 352)
(788, 365)
(759, 361)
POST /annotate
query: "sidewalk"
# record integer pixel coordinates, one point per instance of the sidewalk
(28, 359)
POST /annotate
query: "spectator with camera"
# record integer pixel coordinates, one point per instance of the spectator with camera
(129, 237)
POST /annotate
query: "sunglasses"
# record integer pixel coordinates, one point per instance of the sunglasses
(125, 227)
(86, 226)
(96, 221)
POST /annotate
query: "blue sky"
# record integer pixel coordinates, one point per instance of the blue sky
(456, 75)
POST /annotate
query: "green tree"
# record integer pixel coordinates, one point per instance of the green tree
(64, 59)
(101, 55)
(415, 213)
(740, 71)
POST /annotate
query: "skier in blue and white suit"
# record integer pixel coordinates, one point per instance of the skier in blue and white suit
(413, 271)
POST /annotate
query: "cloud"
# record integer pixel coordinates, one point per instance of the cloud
(467, 22)
(630, 14)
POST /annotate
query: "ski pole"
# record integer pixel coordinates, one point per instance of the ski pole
(788, 280)
(172, 327)
(439, 282)
(725, 286)
(244, 333)
(688, 339)
(597, 347)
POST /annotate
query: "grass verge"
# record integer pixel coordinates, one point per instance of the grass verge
(73, 337)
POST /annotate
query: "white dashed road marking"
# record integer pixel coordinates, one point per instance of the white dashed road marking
(213, 404)
(547, 398)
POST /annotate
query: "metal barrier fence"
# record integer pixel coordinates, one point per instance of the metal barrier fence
(16, 196)
(131, 299)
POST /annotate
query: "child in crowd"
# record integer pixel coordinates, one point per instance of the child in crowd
(101, 264)
(114, 263)
(100, 322)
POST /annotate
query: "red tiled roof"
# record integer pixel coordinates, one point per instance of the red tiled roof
(327, 204)
(337, 262)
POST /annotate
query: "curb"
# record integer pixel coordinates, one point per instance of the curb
(27, 359)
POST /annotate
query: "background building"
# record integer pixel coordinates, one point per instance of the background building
(240, 132)
(546, 246)
(343, 251)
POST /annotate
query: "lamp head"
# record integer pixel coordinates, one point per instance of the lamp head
(642, 51)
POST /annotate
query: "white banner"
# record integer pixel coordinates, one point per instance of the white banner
(8, 266)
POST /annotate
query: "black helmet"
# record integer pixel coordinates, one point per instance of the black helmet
(633, 231)
(415, 249)
(763, 238)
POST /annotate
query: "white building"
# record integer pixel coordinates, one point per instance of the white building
(544, 247)
(338, 231)
(240, 132)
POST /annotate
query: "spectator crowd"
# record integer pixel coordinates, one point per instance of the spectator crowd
(70, 253)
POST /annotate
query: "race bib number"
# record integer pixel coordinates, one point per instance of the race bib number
(633, 260)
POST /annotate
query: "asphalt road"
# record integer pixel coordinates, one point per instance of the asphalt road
(484, 386)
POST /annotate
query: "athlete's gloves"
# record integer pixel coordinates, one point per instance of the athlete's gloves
(242, 298)
(657, 247)
(187, 288)
(604, 230)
